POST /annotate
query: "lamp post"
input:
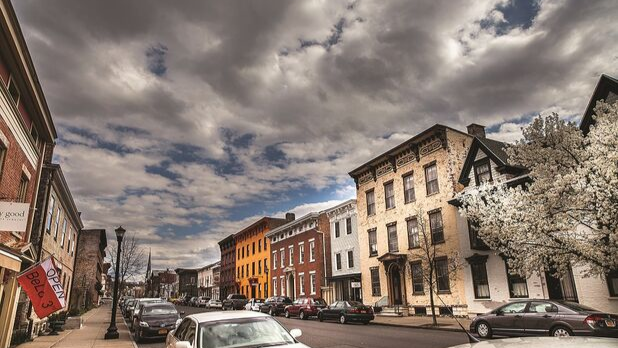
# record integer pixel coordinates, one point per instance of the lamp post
(112, 330)
(267, 282)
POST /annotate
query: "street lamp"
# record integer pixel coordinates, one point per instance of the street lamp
(112, 330)
(267, 281)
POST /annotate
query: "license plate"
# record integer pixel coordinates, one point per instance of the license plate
(162, 331)
(610, 323)
(363, 311)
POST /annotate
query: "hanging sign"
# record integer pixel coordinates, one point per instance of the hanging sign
(42, 285)
(14, 216)
(355, 285)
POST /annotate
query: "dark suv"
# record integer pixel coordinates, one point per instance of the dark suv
(305, 307)
(234, 301)
(275, 305)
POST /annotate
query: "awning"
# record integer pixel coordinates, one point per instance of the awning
(10, 261)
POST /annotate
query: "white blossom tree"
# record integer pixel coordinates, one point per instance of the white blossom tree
(568, 213)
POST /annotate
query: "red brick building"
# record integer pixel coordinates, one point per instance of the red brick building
(300, 257)
(227, 282)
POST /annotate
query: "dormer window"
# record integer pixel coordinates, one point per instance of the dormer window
(482, 171)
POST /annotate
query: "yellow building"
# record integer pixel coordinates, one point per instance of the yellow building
(252, 257)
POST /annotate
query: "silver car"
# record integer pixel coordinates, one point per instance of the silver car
(545, 342)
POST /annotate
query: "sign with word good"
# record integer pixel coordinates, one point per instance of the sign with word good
(42, 285)
(14, 216)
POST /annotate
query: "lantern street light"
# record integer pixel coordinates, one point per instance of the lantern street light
(112, 330)
(267, 281)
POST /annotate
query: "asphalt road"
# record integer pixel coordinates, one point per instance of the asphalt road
(334, 335)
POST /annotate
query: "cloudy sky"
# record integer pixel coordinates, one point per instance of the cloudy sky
(186, 120)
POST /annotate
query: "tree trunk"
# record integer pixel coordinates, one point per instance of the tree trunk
(434, 321)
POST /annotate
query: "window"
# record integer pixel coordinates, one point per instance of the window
(312, 283)
(350, 259)
(312, 251)
(2, 156)
(389, 195)
(408, 188)
(412, 225)
(517, 307)
(259, 246)
(282, 279)
(612, 283)
(23, 188)
(418, 287)
(348, 226)
(242, 272)
(282, 252)
(373, 242)
(13, 90)
(50, 213)
(442, 280)
(371, 202)
(338, 258)
(479, 279)
(301, 283)
(253, 268)
(337, 232)
(69, 241)
(274, 260)
(437, 230)
(518, 287)
(291, 252)
(253, 249)
(260, 267)
(57, 223)
(265, 246)
(475, 241)
(431, 179)
(482, 171)
(375, 281)
(64, 232)
(243, 253)
(274, 286)
(393, 245)
(301, 253)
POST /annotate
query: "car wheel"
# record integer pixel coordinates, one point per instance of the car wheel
(138, 337)
(320, 317)
(287, 314)
(302, 315)
(483, 329)
(561, 331)
(342, 319)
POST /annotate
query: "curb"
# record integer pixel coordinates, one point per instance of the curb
(130, 334)
(451, 329)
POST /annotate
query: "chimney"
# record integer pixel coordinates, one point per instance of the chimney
(290, 216)
(476, 130)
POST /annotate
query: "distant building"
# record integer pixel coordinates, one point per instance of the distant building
(90, 268)
(206, 280)
(345, 252)
(187, 282)
(300, 257)
(227, 280)
(216, 278)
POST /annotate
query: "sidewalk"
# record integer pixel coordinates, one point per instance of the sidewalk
(96, 322)
(423, 322)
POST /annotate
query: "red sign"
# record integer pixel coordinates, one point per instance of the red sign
(42, 285)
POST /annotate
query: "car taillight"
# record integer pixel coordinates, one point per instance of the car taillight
(355, 310)
(592, 319)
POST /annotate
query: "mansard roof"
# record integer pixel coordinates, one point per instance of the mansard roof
(606, 89)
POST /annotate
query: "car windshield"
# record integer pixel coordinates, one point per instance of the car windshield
(577, 307)
(249, 332)
(319, 301)
(355, 304)
(159, 310)
(286, 300)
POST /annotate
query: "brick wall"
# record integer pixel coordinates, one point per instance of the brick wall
(88, 267)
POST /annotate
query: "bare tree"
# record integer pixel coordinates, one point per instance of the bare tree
(429, 262)
(132, 259)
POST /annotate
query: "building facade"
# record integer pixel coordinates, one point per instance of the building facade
(26, 133)
(206, 279)
(227, 280)
(90, 268)
(300, 257)
(345, 255)
(416, 177)
(252, 257)
(187, 282)
(216, 279)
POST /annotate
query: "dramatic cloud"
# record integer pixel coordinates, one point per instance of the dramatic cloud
(187, 121)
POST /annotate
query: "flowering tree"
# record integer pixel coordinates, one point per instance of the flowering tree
(568, 213)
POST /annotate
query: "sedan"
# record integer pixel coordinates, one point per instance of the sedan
(156, 320)
(254, 304)
(217, 304)
(347, 311)
(236, 329)
(275, 305)
(545, 317)
(305, 307)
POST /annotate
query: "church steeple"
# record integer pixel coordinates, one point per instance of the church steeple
(149, 267)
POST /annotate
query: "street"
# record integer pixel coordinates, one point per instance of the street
(330, 334)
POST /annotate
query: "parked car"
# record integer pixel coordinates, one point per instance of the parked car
(305, 307)
(193, 301)
(275, 305)
(254, 304)
(216, 304)
(155, 320)
(128, 308)
(347, 311)
(139, 304)
(544, 342)
(201, 301)
(232, 329)
(545, 317)
(234, 301)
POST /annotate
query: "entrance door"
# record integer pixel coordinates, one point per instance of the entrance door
(290, 288)
(396, 285)
(253, 291)
(561, 288)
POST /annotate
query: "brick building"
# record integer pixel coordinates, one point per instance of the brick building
(26, 133)
(252, 256)
(187, 282)
(301, 258)
(89, 269)
(227, 280)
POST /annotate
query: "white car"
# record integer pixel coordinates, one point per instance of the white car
(214, 304)
(254, 304)
(236, 329)
(545, 342)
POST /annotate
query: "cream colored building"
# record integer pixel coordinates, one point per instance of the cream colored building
(419, 174)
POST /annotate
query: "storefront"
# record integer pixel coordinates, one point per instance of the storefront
(10, 264)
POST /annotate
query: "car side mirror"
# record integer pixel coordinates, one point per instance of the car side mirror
(183, 344)
(296, 333)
